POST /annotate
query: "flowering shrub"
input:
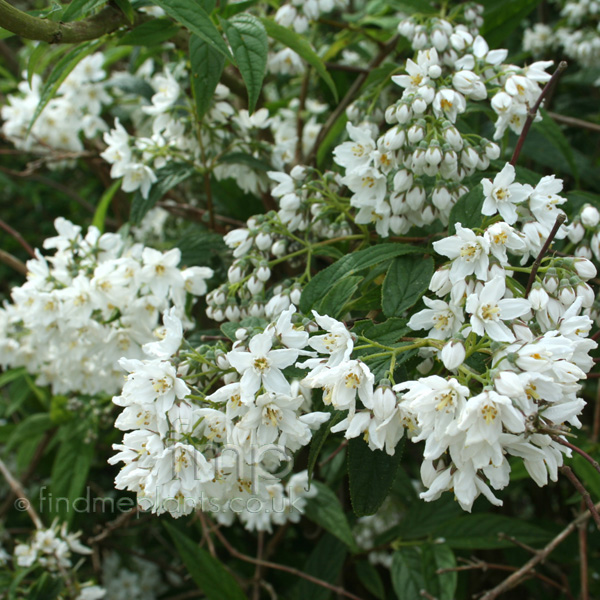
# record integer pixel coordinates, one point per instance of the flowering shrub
(336, 281)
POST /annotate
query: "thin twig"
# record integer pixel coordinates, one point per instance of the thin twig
(518, 575)
(111, 526)
(350, 94)
(13, 262)
(531, 114)
(258, 573)
(334, 453)
(209, 201)
(575, 122)
(596, 424)
(516, 542)
(291, 570)
(538, 261)
(568, 472)
(14, 233)
(187, 210)
(22, 500)
(583, 559)
(579, 451)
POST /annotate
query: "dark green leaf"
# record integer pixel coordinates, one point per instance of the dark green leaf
(318, 439)
(502, 18)
(370, 578)
(406, 281)
(210, 575)
(325, 510)
(443, 558)
(407, 574)
(131, 84)
(334, 301)
(100, 214)
(47, 587)
(230, 328)
(80, 8)
(60, 72)
(40, 50)
(388, 332)
(588, 475)
(199, 246)
(325, 562)
(207, 67)
(234, 8)
(126, 8)
(29, 427)
(11, 375)
(245, 159)
(467, 211)
(150, 33)
(300, 45)
(351, 264)
(371, 474)
(192, 15)
(69, 475)
(250, 46)
(167, 178)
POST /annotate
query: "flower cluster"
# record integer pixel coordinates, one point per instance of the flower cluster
(78, 102)
(224, 451)
(97, 298)
(390, 174)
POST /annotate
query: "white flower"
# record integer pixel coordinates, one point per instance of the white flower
(488, 309)
(261, 366)
(337, 342)
(503, 194)
(453, 355)
(170, 337)
(358, 152)
(544, 201)
(441, 318)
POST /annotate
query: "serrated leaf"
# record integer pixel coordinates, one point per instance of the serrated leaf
(371, 474)
(233, 8)
(407, 574)
(500, 19)
(199, 246)
(167, 178)
(208, 573)
(351, 264)
(300, 46)
(80, 8)
(406, 281)
(69, 475)
(443, 558)
(388, 332)
(250, 46)
(480, 531)
(100, 214)
(467, 210)
(318, 440)
(150, 33)
(334, 301)
(370, 578)
(192, 15)
(60, 72)
(207, 67)
(325, 510)
(325, 563)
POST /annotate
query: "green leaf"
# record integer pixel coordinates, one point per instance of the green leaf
(351, 264)
(500, 19)
(371, 474)
(60, 72)
(406, 281)
(30, 427)
(234, 8)
(325, 510)
(553, 133)
(388, 332)
(443, 558)
(230, 328)
(300, 46)
(250, 46)
(588, 475)
(11, 375)
(245, 159)
(80, 8)
(318, 440)
(210, 575)
(150, 33)
(370, 578)
(40, 50)
(100, 214)
(325, 562)
(480, 531)
(407, 574)
(467, 210)
(47, 587)
(331, 138)
(192, 15)
(334, 301)
(69, 475)
(199, 246)
(126, 8)
(167, 178)
(207, 67)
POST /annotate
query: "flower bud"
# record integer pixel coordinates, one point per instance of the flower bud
(538, 297)
(453, 355)
(576, 231)
(590, 216)
(584, 268)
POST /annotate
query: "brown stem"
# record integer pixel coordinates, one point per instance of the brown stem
(349, 68)
(259, 571)
(596, 424)
(538, 261)
(568, 472)
(334, 453)
(583, 560)
(14, 233)
(524, 571)
(572, 121)
(22, 500)
(575, 448)
(44, 30)
(533, 111)
(291, 570)
(187, 210)
(13, 262)
(350, 94)
(209, 201)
